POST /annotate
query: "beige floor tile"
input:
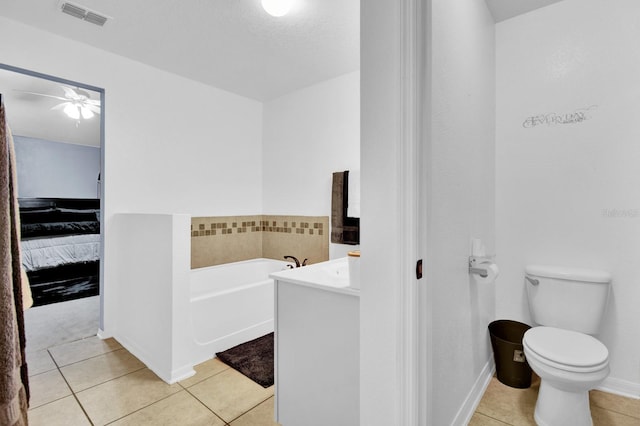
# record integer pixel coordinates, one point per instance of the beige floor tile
(481, 420)
(262, 415)
(617, 403)
(80, 350)
(204, 371)
(39, 362)
(602, 417)
(178, 409)
(63, 412)
(93, 371)
(230, 394)
(510, 405)
(122, 396)
(47, 387)
(515, 407)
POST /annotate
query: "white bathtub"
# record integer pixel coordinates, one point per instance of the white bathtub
(230, 304)
(171, 317)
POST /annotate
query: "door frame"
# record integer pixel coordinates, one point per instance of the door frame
(101, 91)
(395, 321)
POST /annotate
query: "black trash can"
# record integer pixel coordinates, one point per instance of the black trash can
(512, 368)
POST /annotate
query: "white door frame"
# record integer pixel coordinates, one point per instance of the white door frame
(394, 322)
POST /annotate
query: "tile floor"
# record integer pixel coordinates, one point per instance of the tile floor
(503, 405)
(97, 382)
(82, 380)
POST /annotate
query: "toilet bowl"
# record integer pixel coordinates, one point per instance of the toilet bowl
(567, 305)
(569, 364)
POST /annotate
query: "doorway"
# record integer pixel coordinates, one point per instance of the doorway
(58, 132)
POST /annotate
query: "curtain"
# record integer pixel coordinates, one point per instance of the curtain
(14, 379)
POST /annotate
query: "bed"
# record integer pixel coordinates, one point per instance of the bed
(60, 242)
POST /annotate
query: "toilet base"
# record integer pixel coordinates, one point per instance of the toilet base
(557, 407)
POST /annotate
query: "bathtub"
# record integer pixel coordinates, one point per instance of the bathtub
(172, 317)
(230, 304)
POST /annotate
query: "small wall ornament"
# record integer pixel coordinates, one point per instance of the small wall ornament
(554, 119)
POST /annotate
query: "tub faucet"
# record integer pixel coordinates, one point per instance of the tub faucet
(297, 262)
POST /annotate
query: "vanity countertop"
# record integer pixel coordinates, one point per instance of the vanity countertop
(332, 275)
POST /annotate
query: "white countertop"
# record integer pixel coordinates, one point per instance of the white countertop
(332, 275)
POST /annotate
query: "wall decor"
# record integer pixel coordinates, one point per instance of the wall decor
(553, 119)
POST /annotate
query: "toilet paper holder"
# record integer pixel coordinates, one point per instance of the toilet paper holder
(475, 262)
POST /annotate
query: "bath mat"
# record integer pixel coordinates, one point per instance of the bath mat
(254, 359)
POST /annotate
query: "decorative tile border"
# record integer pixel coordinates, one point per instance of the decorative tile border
(223, 239)
(215, 226)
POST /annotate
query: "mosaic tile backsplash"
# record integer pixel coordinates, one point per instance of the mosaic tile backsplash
(223, 239)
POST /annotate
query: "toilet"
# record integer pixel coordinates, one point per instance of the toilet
(567, 306)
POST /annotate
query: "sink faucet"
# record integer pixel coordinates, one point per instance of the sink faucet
(297, 262)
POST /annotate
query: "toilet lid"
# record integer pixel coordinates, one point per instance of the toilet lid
(566, 347)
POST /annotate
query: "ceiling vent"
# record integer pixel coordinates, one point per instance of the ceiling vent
(83, 13)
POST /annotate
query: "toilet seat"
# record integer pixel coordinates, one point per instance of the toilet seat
(566, 349)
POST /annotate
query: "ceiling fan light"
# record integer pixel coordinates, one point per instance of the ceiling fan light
(277, 8)
(72, 111)
(86, 112)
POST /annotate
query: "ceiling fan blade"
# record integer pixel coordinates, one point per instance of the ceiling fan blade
(92, 102)
(60, 106)
(70, 93)
(93, 108)
(42, 94)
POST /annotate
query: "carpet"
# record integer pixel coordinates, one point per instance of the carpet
(254, 359)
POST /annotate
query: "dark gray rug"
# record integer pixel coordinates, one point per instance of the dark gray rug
(254, 359)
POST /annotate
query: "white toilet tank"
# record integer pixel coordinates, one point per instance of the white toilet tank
(568, 298)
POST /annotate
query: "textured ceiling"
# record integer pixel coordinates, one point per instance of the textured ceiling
(31, 115)
(230, 44)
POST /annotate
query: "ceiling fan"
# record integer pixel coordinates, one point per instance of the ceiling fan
(76, 102)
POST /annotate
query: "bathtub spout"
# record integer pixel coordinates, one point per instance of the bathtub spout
(294, 259)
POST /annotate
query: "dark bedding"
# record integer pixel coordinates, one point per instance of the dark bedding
(50, 219)
(66, 282)
(33, 230)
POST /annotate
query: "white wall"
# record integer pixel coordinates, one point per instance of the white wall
(460, 204)
(308, 135)
(172, 145)
(152, 263)
(380, 262)
(567, 194)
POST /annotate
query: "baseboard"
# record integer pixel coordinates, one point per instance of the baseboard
(102, 335)
(620, 387)
(475, 394)
(169, 376)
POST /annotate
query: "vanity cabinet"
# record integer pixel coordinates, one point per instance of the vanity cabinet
(317, 353)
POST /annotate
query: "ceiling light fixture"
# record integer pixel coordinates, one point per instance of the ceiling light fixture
(277, 8)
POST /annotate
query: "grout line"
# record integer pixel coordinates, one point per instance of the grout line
(91, 357)
(200, 381)
(71, 389)
(493, 418)
(252, 408)
(111, 379)
(616, 412)
(206, 406)
(142, 408)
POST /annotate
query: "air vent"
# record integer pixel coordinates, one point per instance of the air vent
(83, 13)
(94, 18)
